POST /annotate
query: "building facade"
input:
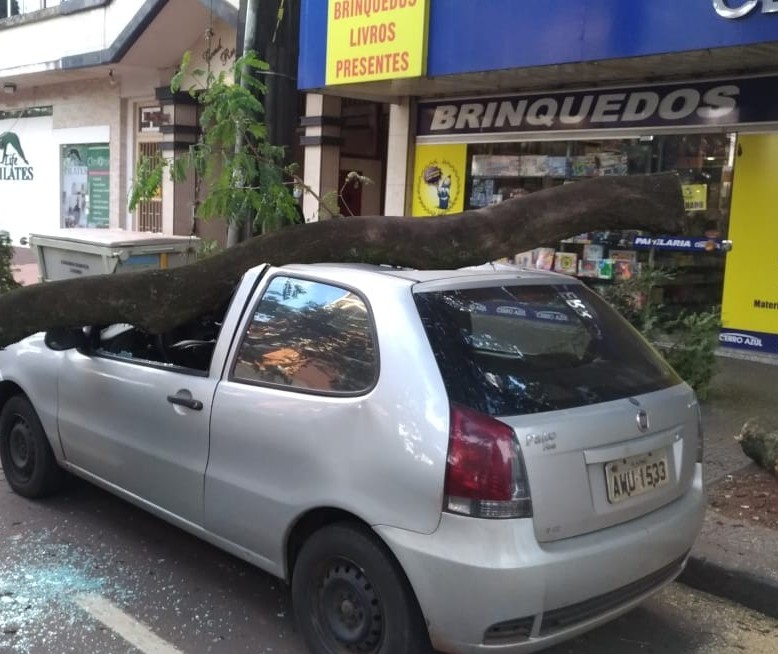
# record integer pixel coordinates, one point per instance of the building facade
(485, 101)
(85, 92)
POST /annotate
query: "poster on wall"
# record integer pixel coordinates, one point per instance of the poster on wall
(85, 185)
(439, 179)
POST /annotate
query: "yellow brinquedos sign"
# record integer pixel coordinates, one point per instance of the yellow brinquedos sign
(370, 40)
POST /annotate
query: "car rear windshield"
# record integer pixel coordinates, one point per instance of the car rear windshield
(519, 349)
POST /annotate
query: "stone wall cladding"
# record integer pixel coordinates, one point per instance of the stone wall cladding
(90, 103)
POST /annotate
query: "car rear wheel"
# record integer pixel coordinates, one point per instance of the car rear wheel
(28, 462)
(350, 596)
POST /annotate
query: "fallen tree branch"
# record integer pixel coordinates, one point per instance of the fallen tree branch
(160, 300)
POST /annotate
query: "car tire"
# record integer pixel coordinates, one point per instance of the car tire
(350, 595)
(25, 453)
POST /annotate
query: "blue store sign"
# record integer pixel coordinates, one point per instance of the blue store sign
(715, 104)
(676, 243)
(470, 37)
(749, 340)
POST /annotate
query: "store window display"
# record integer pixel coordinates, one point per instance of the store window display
(704, 162)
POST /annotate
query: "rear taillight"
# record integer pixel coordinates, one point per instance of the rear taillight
(485, 473)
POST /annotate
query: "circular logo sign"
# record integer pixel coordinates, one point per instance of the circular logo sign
(439, 187)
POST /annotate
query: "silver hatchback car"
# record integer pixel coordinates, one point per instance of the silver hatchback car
(475, 461)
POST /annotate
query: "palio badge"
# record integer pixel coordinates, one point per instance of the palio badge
(439, 187)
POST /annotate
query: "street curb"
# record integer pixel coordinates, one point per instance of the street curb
(745, 588)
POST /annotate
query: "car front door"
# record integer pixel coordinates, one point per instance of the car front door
(136, 421)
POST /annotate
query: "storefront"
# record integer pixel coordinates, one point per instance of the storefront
(473, 152)
(497, 101)
(720, 136)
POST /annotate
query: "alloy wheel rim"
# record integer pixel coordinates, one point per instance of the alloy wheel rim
(350, 608)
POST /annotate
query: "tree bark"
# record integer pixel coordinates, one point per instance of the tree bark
(160, 300)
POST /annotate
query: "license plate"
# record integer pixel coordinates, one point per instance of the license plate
(636, 475)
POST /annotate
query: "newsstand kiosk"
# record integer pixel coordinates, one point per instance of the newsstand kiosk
(80, 252)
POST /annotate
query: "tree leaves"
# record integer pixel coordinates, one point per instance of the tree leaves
(242, 173)
(7, 281)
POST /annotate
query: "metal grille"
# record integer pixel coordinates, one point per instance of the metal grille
(148, 216)
(512, 631)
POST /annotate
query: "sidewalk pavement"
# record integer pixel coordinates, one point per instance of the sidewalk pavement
(732, 558)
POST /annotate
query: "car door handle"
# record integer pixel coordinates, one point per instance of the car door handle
(188, 402)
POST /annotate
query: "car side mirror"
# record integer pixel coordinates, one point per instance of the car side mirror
(66, 338)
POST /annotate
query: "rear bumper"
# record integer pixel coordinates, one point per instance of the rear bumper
(470, 575)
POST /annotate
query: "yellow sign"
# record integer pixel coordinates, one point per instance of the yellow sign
(750, 302)
(439, 179)
(370, 40)
(695, 197)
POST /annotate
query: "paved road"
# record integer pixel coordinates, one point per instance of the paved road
(89, 574)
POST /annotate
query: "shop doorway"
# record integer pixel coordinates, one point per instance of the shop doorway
(149, 212)
(361, 198)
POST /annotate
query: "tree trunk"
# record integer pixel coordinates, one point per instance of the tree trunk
(160, 300)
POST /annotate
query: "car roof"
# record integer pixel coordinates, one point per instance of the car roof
(484, 272)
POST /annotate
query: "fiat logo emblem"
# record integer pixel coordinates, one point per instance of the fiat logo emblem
(642, 419)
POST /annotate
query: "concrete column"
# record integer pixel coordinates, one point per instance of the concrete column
(185, 118)
(322, 152)
(168, 201)
(179, 129)
(398, 160)
(127, 158)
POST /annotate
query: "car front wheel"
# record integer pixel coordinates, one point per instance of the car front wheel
(350, 596)
(25, 453)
